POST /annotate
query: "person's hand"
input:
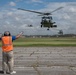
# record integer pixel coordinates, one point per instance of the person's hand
(21, 32)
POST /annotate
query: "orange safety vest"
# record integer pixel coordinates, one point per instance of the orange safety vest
(7, 44)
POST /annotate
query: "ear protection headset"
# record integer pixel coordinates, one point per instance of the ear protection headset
(7, 33)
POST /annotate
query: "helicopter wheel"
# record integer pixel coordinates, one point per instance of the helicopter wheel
(48, 29)
(41, 26)
(54, 25)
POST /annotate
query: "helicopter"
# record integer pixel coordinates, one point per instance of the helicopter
(30, 25)
(47, 20)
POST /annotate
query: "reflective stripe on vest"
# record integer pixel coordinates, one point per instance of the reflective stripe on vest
(6, 44)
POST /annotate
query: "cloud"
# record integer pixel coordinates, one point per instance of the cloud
(18, 0)
(34, 1)
(9, 13)
(16, 20)
(39, 1)
(12, 4)
(7, 22)
(72, 9)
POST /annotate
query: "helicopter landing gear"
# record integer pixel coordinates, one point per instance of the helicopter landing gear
(54, 25)
(48, 29)
(41, 26)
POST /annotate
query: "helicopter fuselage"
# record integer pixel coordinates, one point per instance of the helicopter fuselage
(47, 22)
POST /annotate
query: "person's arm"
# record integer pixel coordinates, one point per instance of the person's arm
(17, 36)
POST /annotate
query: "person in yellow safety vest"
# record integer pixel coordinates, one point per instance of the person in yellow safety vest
(7, 52)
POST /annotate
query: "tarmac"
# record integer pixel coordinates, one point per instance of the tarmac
(44, 60)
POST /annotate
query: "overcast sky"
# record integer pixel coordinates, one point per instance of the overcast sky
(15, 21)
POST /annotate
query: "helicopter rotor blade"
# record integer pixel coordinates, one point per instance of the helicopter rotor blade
(31, 11)
(56, 9)
(41, 13)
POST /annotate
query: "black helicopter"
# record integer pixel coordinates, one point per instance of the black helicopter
(46, 20)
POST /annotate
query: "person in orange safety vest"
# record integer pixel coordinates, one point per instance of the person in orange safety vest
(7, 52)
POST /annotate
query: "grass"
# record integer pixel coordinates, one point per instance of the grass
(45, 42)
(61, 41)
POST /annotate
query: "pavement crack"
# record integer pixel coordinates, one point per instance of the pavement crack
(32, 53)
(36, 69)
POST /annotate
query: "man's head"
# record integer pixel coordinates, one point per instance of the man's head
(7, 33)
